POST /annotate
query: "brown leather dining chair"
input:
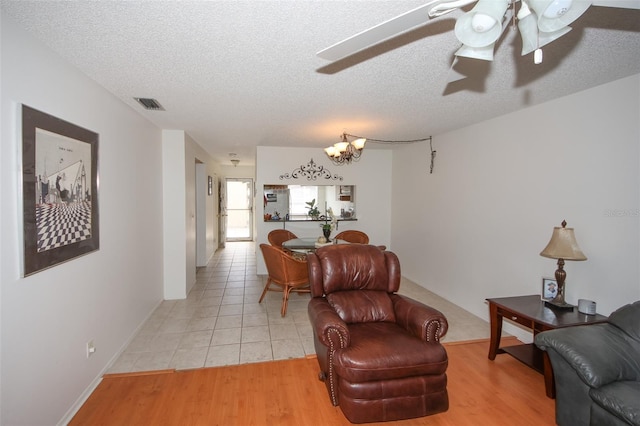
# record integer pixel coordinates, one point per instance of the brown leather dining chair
(279, 236)
(379, 352)
(353, 236)
(286, 272)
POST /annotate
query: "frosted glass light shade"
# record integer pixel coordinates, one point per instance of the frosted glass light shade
(556, 14)
(341, 146)
(533, 39)
(484, 53)
(482, 25)
(359, 143)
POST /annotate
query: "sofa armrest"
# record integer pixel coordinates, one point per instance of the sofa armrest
(327, 325)
(599, 353)
(421, 320)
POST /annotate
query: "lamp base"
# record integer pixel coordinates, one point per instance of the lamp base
(561, 306)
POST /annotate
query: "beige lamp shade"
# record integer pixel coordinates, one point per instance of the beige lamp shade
(563, 245)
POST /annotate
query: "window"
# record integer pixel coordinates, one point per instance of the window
(299, 195)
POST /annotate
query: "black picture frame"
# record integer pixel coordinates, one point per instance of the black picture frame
(59, 190)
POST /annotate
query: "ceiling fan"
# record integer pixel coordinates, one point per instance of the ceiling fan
(539, 22)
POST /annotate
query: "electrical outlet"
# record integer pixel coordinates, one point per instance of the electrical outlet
(91, 348)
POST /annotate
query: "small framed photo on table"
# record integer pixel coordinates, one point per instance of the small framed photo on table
(549, 288)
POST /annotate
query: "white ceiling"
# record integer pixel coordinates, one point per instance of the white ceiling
(238, 74)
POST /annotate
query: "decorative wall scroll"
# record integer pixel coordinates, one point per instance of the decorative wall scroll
(60, 190)
(311, 171)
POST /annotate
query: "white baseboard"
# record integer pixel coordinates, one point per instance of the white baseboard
(96, 381)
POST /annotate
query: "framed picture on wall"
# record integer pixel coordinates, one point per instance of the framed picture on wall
(549, 288)
(59, 190)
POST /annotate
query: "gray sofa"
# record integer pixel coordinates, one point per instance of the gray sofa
(597, 370)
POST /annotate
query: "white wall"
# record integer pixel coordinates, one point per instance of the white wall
(371, 175)
(48, 318)
(180, 155)
(475, 227)
(195, 154)
(174, 214)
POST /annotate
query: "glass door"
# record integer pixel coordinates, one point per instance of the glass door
(239, 196)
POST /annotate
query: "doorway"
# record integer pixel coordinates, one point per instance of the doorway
(239, 196)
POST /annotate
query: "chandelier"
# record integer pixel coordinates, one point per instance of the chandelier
(345, 152)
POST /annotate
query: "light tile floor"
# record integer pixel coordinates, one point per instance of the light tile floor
(221, 322)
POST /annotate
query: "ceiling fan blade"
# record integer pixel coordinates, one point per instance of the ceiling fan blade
(625, 4)
(381, 32)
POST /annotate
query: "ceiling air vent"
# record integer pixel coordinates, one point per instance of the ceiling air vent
(150, 104)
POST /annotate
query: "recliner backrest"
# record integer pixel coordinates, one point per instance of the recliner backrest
(627, 318)
(342, 267)
(356, 280)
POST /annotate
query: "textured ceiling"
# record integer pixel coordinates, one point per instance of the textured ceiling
(237, 74)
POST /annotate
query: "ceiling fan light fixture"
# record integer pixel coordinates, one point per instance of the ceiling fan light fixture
(482, 25)
(554, 15)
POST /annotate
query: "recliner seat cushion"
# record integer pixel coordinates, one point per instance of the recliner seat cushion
(373, 354)
(358, 306)
(619, 399)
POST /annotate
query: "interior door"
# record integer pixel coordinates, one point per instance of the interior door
(222, 213)
(239, 193)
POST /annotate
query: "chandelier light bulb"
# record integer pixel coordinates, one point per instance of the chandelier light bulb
(482, 23)
(341, 146)
(557, 8)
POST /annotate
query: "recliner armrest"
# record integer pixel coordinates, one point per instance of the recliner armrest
(327, 324)
(599, 353)
(421, 320)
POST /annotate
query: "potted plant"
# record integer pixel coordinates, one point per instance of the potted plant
(314, 212)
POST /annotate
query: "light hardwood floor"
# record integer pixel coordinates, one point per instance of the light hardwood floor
(481, 392)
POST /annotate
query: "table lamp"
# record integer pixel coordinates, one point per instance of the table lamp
(562, 246)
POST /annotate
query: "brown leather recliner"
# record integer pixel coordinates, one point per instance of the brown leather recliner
(379, 352)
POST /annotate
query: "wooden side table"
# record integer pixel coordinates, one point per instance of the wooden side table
(531, 312)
